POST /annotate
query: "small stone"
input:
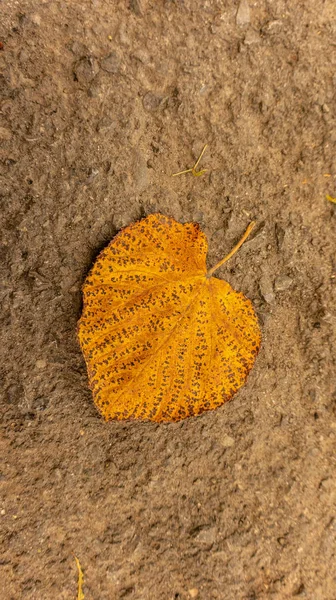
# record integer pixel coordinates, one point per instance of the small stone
(5, 134)
(79, 49)
(41, 364)
(36, 19)
(151, 102)
(266, 289)
(251, 37)
(279, 234)
(106, 123)
(136, 8)
(328, 317)
(299, 590)
(227, 441)
(85, 69)
(110, 63)
(143, 56)
(243, 13)
(282, 541)
(92, 175)
(282, 283)
(326, 484)
(96, 89)
(207, 536)
(273, 26)
(193, 593)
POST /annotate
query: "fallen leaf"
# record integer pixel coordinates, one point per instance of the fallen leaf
(80, 594)
(162, 339)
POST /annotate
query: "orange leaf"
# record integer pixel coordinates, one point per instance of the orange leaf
(163, 340)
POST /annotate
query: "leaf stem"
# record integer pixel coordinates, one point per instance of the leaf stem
(233, 251)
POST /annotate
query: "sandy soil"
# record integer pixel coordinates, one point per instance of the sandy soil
(101, 102)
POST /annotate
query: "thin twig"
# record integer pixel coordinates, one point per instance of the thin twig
(193, 169)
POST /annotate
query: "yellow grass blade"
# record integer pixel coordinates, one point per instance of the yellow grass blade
(193, 169)
(80, 594)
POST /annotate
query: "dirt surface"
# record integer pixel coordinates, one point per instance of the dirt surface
(101, 103)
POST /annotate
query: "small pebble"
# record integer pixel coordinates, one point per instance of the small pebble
(143, 56)
(207, 536)
(110, 63)
(251, 37)
(105, 124)
(266, 289)
(151, 102)
(79, 49)
(243, 13)
(135, 6)
(282, 283)
(273, 26)
(193, 593)
(86, 69)
(36, 19)
(41, 364)
(5, 134)
(227, 441)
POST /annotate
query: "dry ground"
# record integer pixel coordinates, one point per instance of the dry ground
(101, 102)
